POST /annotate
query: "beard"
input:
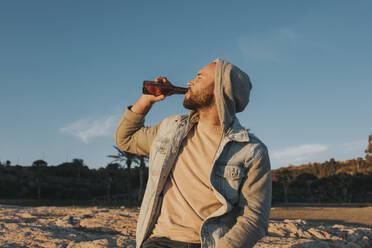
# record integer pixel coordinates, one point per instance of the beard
(194, 101)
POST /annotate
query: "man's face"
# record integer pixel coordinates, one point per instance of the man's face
(200, 93)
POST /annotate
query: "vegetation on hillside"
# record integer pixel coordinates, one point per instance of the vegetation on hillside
(328, 182)
(75, 180)
(331, 181)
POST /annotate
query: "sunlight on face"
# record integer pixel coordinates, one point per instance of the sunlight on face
(201, 89)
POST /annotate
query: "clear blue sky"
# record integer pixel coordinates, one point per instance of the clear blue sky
(68, 69)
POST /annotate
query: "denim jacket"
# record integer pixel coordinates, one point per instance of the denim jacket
(240, 176)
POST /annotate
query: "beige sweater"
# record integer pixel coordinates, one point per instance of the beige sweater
(188, 195)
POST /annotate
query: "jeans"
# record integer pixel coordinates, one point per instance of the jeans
(162, 242)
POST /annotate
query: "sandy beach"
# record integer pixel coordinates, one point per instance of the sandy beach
(95, 227)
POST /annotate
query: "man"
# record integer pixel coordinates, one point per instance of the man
(209, 179)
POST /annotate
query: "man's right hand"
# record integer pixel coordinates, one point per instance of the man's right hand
(144, 103)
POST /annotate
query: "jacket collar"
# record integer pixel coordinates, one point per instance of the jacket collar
(193, 117)
(236, 132)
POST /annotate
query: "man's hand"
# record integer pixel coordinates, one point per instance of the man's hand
(144, 103)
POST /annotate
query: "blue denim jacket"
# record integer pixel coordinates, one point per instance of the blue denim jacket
(240, 178)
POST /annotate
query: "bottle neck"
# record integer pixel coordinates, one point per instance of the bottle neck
(179, 90)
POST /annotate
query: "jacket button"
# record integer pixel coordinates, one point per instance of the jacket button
(174, 151)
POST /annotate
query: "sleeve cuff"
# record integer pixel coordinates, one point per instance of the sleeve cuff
(131, 116)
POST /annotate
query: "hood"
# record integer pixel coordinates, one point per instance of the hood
(232, 88)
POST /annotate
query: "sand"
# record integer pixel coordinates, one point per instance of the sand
(340, 215)
(115, 227)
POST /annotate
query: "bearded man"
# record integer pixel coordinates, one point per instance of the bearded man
(209, 179)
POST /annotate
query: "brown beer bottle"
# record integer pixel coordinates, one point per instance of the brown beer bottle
(157, 89)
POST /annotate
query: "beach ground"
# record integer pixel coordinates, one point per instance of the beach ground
(95, 227)
(341, 215)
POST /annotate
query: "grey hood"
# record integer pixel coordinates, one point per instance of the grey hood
(232, 88)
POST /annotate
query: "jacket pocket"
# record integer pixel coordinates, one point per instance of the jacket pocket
(229, 178)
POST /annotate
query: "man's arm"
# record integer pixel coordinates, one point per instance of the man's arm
(255, 203)
(131, 135)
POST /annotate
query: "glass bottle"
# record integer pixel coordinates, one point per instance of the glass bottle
(157, 89)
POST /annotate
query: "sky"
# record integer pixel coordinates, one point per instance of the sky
(69, 69)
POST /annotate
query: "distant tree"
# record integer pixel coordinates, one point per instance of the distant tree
(361, 185)
(359, 163)
(76, 169)
(38, 168)
(368, 151)
(39, 163)
(142, 178)
(8, 163)
(285, 177)
(307, 179)
(78, 163)
(322, 190)
(127, 158)
(332, 164)
(111, 172)
(346, 183)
